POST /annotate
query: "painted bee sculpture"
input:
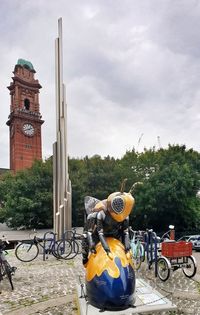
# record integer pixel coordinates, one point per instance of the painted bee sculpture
(110, 276)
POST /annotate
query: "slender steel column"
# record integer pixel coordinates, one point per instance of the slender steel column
(61, 183)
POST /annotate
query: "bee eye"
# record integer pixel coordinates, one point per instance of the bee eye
(117, 204)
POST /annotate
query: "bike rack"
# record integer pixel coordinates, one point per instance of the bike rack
(46, 239)
(151, 248)
(67, 235)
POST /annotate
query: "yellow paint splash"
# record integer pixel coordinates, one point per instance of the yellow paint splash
(100, 261)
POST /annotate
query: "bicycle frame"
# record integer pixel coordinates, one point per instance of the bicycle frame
(137, 248)
(5, 268)
(135, 245)
(51, 246)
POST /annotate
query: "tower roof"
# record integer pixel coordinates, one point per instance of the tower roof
(25, 63)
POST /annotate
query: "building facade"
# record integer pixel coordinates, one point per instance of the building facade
(25, 120)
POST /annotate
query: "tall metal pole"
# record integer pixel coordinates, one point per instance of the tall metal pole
(61, 183)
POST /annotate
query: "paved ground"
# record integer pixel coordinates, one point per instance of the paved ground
(51, 282)
(48, 288)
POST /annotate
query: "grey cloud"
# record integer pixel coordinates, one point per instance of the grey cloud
(177, 27)
(130, 67)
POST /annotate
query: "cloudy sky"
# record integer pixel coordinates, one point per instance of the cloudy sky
(131, 69)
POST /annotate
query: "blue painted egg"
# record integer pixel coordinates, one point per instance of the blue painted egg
(110, 283)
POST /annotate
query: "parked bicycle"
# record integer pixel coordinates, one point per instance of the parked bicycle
(28, 250)
(5, 268)
(137, 248)
(70, 246)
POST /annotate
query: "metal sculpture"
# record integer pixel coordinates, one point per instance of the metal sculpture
(61, 182)
(110, 276)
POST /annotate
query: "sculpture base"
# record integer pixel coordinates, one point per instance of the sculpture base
(148, 300)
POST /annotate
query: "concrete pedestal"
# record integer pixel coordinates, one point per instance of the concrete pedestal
(148, 300)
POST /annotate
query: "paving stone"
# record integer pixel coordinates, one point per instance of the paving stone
(41, 281)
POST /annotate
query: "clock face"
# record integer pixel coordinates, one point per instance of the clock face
(28, 129)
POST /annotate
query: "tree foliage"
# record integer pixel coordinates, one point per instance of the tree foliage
(169, 194)
(26, 197)
(171, 181)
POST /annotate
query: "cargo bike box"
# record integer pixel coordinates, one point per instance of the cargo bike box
(176, 249)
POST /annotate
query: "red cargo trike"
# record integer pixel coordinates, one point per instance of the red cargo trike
(175, 255)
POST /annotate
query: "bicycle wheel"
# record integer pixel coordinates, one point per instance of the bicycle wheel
(75, 248)
(137, 260)
(64, 249)
(7, 271)
(27, 252)
(79, 241)
(163, 268)
(191, 267)
(54, 249)
(142, 252)
(139, 256)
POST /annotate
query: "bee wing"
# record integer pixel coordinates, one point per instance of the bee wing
(90, 203)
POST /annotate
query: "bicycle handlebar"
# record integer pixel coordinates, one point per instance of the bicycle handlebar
(165, 234)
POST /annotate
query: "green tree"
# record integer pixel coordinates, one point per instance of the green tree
(78, 176)
(171, 180)
(169, 194)
(26, 197)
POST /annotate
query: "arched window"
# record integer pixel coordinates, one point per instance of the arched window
(27, 104)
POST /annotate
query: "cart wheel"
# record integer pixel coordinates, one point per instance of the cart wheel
(163, 268)
(191, 267)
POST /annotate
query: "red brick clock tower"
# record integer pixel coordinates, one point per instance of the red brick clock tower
(24, 120)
